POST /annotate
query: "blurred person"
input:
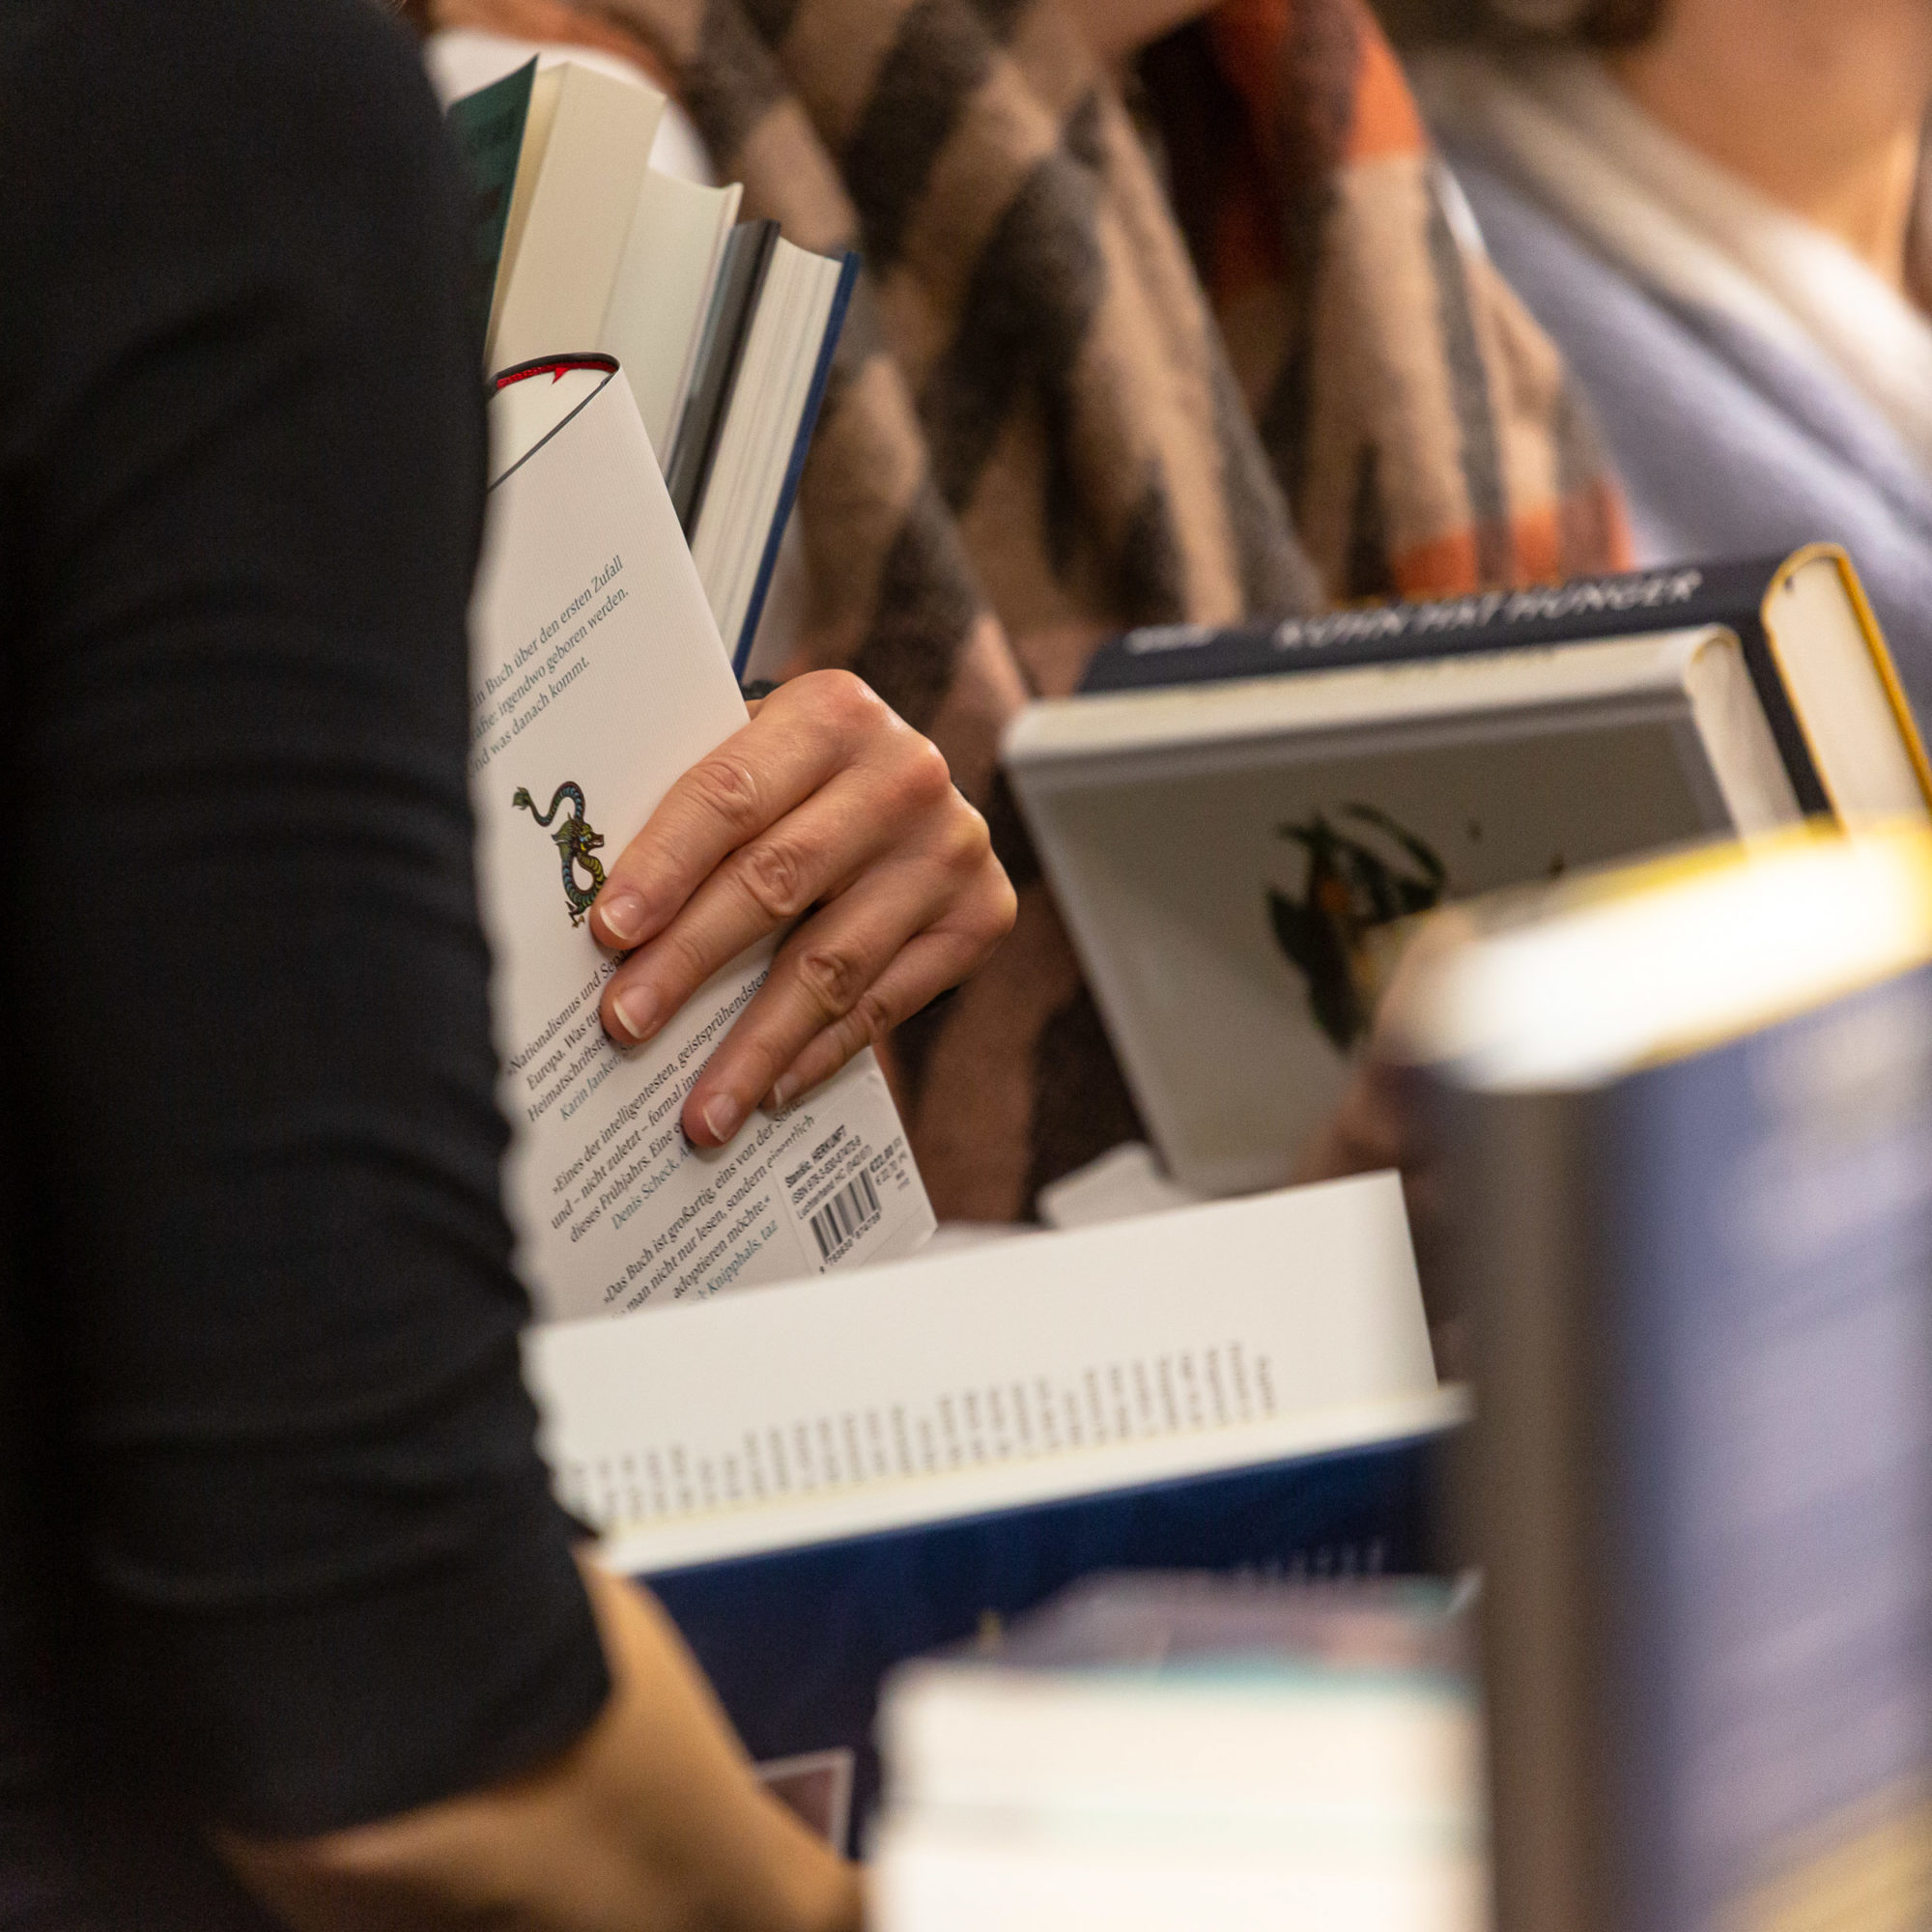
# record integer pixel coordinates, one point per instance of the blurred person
(1715, 208)
(291, 1629)
(1035, 435)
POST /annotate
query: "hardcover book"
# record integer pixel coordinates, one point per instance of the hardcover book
(1236, 849)
(1686, 1122)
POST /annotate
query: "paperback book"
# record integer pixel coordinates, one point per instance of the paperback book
(1163, 1753)
(598, 680)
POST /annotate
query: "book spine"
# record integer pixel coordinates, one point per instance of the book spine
(1591, 607)
(821, 375)
(1705, 1498)
(1585, 611)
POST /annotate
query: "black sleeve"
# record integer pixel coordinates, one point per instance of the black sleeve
(240, 486)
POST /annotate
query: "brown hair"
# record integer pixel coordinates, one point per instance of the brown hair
(1601, 23)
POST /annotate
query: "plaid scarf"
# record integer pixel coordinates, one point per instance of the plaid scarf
(1036, 435)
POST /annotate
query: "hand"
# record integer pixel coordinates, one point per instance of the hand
(824, 805)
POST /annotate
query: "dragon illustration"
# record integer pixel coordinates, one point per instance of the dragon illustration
(575, 842)
(1351, 890)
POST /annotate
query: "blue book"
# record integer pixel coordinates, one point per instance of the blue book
(824, 1479)
(1817, 659)
(1688, 1128)
(797, 1641)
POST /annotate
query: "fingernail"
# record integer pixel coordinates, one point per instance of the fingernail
(623, 917)
(638, 1011)
(781, 1095)
(722, 1117)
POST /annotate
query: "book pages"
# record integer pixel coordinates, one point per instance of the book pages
(597, 681)
(1212, 1338)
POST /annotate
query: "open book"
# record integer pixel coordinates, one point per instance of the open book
(824, 1480)
(598, 680)
(1235, 822)
(1212, 1339)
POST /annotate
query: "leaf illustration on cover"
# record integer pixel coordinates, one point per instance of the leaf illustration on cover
(1352, 888)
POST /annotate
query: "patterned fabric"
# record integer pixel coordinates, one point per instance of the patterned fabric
(1035, 436)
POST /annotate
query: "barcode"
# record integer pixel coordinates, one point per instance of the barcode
(841, 1217)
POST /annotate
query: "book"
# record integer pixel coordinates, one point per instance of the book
(488, 128)
(739, 515)
(661, 294)
(597, 681)
(823, 1480)
(1685, 1121)
(587, 145)
(1185, 1752)
(1235, 859)
(734, 302)
(1817, 657)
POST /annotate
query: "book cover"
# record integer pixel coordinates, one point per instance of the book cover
(1235, 860)
(1817, 657)
(1688, 1130)
(488, 128)
(598, 680)
(798, 1643)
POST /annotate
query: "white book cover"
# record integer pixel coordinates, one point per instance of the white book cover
(587, 145)
(1219, 1337)
(597, 681)
(1233, 859)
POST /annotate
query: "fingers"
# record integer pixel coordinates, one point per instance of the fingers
(795, 743)
(809, 856)
(848, 976)
(824, 799)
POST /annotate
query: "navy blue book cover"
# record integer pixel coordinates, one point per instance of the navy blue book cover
(1630, 604)
(796, 1641)
(1769, 1206)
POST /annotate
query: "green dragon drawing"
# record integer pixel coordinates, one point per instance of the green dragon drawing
(575, 842)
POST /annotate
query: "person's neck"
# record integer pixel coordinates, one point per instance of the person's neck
(1820, 106)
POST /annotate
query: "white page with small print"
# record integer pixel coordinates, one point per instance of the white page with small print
(597, 681)
(1214, 1337)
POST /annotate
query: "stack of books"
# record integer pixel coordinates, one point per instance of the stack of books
(723, 331)
(1185, 1754)
(1688, 1130)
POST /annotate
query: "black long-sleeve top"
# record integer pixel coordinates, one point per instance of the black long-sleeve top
(276, 1548)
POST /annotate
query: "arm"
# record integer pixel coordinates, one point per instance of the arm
(332, 1620)
(650, 1821)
